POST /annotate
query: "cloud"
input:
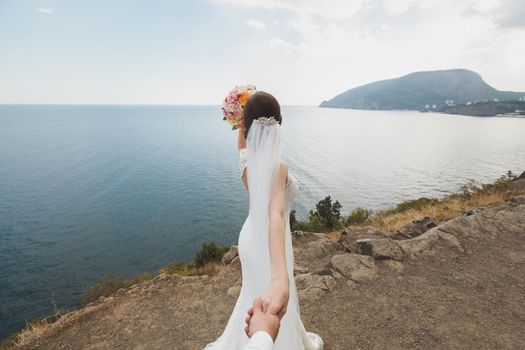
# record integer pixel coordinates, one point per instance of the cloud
(44, 10)
(255, 24)
(337, 47)
(276, 43)
(329, 9)
(503, 13)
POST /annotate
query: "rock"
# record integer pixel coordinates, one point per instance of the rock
(415, 228)
(394, 265)
(384, 248)
(234, 291)
(297, 270)
(321, 248)
(427, 243)
(471, 212)
(307, 280)
(236, 261)
(310, 294)
(522, 176)
(357, 267)
(230, 255)
(312, 287)
(305, 237)
(353, 233)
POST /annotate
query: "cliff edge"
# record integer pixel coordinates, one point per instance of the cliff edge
(430, 285)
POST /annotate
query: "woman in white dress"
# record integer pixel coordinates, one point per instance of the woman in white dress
(265, 242)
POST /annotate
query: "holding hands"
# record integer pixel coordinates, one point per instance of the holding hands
(268, 310)
(275, 300)
(257, 321)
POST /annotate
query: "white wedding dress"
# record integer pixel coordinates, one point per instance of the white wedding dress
(255, 266)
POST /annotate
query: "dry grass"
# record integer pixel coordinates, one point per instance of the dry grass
(184, 269)
(32, 329)
(445, 209)
(333, 235)
(209, 269)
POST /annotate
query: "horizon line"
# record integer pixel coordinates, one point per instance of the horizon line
(137, 104)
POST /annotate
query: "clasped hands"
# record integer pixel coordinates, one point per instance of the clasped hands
(268, 310)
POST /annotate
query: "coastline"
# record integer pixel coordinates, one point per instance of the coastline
(386, 220)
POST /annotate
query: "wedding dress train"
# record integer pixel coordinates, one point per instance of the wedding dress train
(256, 274)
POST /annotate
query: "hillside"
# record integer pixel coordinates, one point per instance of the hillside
(420, 91)
(487, 109)
(430, 285)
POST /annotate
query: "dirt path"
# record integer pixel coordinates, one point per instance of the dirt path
(460, 285)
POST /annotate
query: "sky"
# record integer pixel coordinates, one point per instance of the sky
(194, 52)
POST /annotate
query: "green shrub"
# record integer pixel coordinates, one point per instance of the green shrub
(314, 224)
(358, 216)
(209, 253)
(414, 204)
(329, 212)
(326, 217)
(178, 267)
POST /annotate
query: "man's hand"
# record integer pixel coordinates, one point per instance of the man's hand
(257, 320)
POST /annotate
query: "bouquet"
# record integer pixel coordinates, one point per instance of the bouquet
(234, 102)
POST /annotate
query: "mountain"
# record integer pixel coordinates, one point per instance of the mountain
(421, 91)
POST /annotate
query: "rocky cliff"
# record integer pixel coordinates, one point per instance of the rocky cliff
(431, 285)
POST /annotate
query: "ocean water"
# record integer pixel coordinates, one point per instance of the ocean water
(91, 190)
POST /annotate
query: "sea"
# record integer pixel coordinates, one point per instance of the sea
(87, 190)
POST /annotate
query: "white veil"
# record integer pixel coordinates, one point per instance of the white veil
(264, 158)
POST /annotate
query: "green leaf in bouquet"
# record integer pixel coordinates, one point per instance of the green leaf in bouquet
(234, 127)
(224, 118)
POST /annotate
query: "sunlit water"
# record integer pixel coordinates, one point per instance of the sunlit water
(91, 190)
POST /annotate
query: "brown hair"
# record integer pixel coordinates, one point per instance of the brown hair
(260, 104)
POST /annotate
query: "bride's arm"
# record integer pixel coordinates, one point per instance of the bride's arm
(241, 143)
(275, 300)
(241, 140)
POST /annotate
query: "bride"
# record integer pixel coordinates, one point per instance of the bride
(265, 242)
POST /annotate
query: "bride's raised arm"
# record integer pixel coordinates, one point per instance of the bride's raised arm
(275, 300)
(241, 139)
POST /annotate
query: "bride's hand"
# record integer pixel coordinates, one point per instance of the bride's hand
(275, 300)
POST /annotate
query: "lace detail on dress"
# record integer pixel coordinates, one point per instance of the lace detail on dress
(292, 186)
(243, 159)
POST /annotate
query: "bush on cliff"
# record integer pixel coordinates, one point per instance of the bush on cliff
(209, 252)
(358, 216)
(206, 262)
(327, 217)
